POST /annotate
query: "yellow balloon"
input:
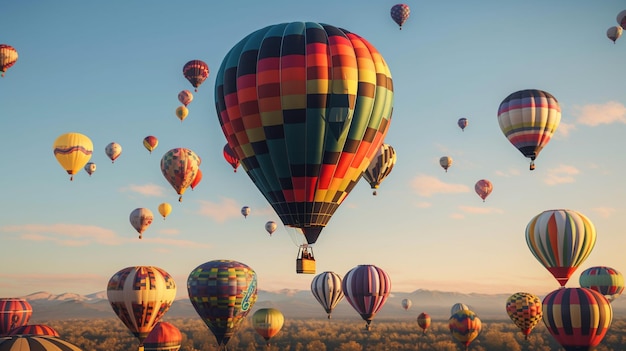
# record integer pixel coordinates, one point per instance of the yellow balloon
(72, 151)
(165, 209)
(182, 112)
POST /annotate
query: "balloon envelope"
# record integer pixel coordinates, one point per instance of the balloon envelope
(483, 188)
(231, 157)
(140, 296)
(245, 211)
(196, 72)
(406, 304)
(458, 307)
(90, 168)
(326, 288)
(8, 57)
(185, 97)
(140, 219)
(34, 329)
(462, 123)
(381, 166)
(465, 326)
(150, 143)
(267, 322)
(72, 151)
(165, 209)
(163, 337)
(180, 167)
(605, 280)
(560, 240)
(36, 343)
(445, 162)
(182, 112)
(270, 227)
(113, 151)
(196, 180)
(614, 33)
(366, 288)
(423, 320)
(525, 311)
(14, 312)
(400, 13)
(222, 292)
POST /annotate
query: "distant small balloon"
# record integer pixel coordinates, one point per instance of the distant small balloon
(113, 151)
(165, 209)
(406, 304)
(614, 33)
(140, 219)
(150, 143)
(245, 211)
(185, 97)
(90, 168)
(445, 162)
(270, 227)
(462, 122)
(182, 112)
(400, 13)
(483, 188)
(8, 57)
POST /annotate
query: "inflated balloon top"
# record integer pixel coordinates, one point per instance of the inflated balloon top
(8, 57)
(72, 151)
(400, 13)
(196, 72)
(14, 312)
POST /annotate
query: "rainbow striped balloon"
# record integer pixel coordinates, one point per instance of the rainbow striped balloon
(465, 326)
(605, 280)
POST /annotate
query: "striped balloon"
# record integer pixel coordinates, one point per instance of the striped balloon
(528, 119)
(305, 107)
(459, 306)
(140, 296)
(366, 288)
(36, 343)
(578, 318)
(605, 280)
(423, 320)
(326, 287)
(163, 337)
(196, 72)
(561, 240)
(525, 311)
(223, 293)
(14, 312)
(8, 57)
(465, 326)
(34, 329)
(230, 157)
(381, 166)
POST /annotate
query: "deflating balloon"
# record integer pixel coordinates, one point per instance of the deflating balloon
(72, 151)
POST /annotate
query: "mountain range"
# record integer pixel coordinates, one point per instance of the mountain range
(294, 304)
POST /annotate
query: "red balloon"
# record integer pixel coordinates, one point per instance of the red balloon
(196, 180)
(196, 72)
(231, 157)
(34, 329)
(14, 312)
(163, 337)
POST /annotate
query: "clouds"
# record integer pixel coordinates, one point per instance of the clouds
(65, 234)
(596, 114)
(428, 186)
(228, 209)
(146, 189)
(561, 174)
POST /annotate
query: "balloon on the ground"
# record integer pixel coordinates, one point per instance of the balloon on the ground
(326, 288)
(140, 219)
(163, 337)
(196, 72)
(8, 57)
(400, 13)
(381, 166)
(180, 167)
(605, 280)
(465, 326)
(525, 311)
(113, 151)
(14, 312)
(366, 288)
(267, 322)
(72, 151)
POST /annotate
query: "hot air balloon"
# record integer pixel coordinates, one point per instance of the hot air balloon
(8, 57)
(381, 166)
(326, 287)
(182, 112)
(317, 103)
(34, 329)
(406, 304)
(525, 311)
(445, 162)
(113, 151)
(196, 72)
(458, 307)
(196, 180)
(271, 227)
(36, 343)
(267, 322)
(165, 209)
(245, 211)
(483, 188)
(90, 168)
(163, 337)
(180, 167)
(577, 318)
(462, 123)
(185, 97)
(605, 280)
(528, 118)
(140, 219)
(14, 313)
(223, 293)
(231, 157)
(366, 288)
(140, 296)
(400, 13)
(560, 240)
(72, 151)
(423, 320)
(621, 19)
(614, 33)
(465, 326)
(150, 143)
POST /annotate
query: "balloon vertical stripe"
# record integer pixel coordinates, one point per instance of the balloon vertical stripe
(605, 280)
(366, 288)
(326, 288)
(14, 312)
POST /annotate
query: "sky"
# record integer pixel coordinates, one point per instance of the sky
(112, 71)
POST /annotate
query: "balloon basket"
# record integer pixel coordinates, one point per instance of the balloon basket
(305, 263)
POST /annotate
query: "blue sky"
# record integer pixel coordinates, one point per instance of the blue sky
(112, 71)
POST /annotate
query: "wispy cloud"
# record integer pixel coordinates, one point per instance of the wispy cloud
(220, 212)
(480, 210)
(511, 172)
(604, 212)
(564, 130)
(423, 204)
(177, 242)
(561, 174)
(65, 234)
(55, 283)
(171, 231)
(596, 114)
(427, 186)
(146, 189)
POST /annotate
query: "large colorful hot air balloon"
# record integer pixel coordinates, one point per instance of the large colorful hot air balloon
(459, 306)
(185, 97)
(34, 329)
(140, 296)
(270, 227)
(406, 304)
(267, 322)
(366, 288)
(113, 151)
(223, 293)
(196, 180)
(380, 167)
(423, 320)
(462, 123)
(14, 312)
(182, 112)
(614, 33)
(445, 162)
(578, 318)
(605, 280)
(36, 343)
(305, 107)
(560, 240)
(465, 326)
(150, 143)
(528, 118)
(163, 337)
(326, 287)
(400, 13)
(231, 157)
(140, 219)
(72, 151)
(180, 167)
(165, 209)
(8, 57)
(196, 72)
(483, 188)
(90, 168)
(525, 311)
